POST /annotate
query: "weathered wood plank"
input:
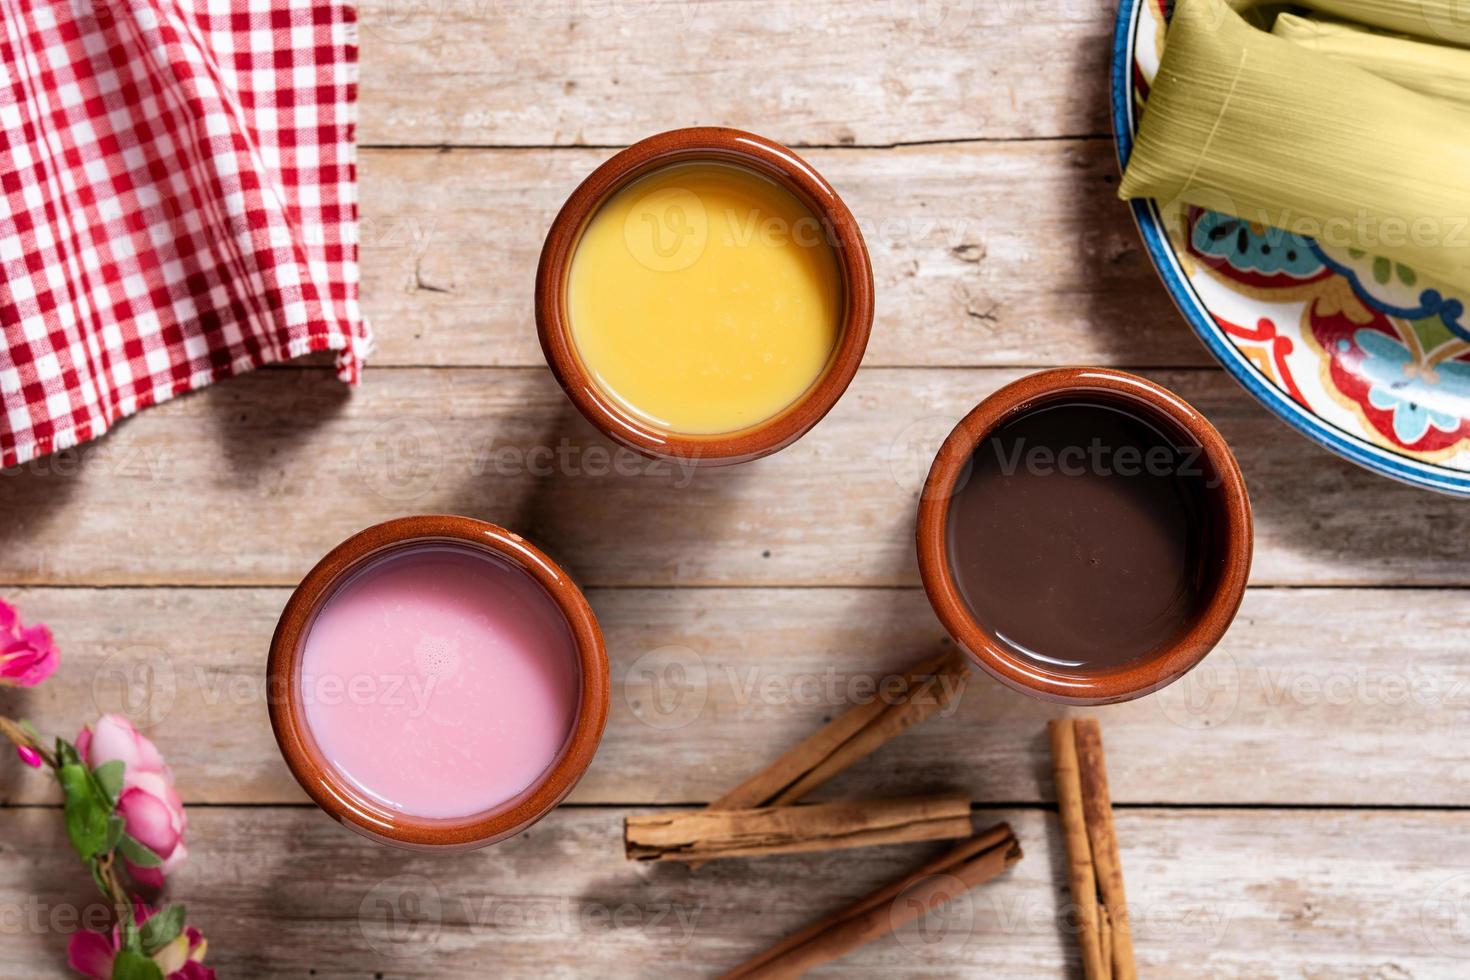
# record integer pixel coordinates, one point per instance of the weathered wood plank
(252, 481)
(1256, 895)
(1316, 696)
(983, 254)
(839, 72)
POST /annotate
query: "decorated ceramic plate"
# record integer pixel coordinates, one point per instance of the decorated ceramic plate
(1357, 353)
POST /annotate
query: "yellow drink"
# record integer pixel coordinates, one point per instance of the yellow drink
(704, 298)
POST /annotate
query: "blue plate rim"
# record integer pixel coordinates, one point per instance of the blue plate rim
(1191, 305)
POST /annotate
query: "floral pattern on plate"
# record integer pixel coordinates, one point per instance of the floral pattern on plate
(1359, 353)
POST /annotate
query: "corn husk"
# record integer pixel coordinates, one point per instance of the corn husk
(1447, 21)
(1250, 125)
(1437, 70)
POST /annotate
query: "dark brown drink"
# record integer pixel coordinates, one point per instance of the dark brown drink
(1083, 534)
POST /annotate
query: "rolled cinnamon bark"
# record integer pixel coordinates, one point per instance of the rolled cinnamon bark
(1097, 809)
(972, 863)
(707, 835)
(1080, 876)
(927, 689)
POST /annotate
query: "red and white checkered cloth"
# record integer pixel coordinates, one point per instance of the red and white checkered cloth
(180, 204)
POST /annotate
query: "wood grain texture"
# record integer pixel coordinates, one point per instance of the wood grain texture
(1316, 697)
(839, 72)
(1000, 247)
(1256, 895)
(251, 482)
(983, 254)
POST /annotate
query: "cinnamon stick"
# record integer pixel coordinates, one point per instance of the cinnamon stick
(973, 863)
(1098, 811)
(927, 689)
(1095, 872)
(708, 835)
(1080, 876)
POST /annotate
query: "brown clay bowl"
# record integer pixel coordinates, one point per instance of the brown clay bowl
(1230, 513)
(338, 797)
(762, 156)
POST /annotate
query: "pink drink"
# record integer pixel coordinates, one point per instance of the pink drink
(440, 682)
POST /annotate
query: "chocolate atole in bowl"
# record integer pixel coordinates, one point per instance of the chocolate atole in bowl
(1085, 535)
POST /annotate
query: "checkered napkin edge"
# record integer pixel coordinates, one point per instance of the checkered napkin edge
(179, 203)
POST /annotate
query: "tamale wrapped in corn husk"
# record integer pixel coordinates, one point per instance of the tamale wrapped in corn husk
(1437, 20)
(1438, 70)
(1247, 124)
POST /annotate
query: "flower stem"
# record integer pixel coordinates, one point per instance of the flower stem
(21, 739)
(122, 904)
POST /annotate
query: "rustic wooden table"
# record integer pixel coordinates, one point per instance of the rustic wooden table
(1295, 808)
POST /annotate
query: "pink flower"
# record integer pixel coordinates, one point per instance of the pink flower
(29, 756)
(27, 654)
(183, 959)
(113, 737)
(91, 953)
(148, 803)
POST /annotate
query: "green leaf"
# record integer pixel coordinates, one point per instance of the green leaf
(96, 868)
(162, 929)
(115, 828)
(135, 966)
(30, 730)
(110, 777)
(66, 753)
(86, 811)
(137, 852)
(130, 937)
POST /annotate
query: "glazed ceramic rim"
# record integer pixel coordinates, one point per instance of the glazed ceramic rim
(1131, 680)
(328, 789)
(764, 157)
(1196, 312)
